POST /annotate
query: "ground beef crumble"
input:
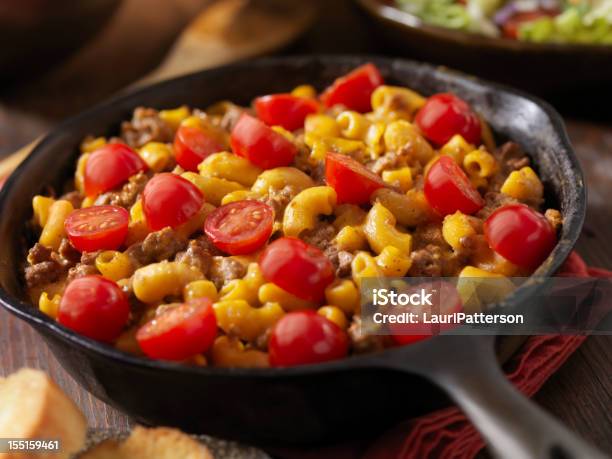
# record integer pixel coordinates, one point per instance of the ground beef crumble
(157, 246)
(224, 269)
(146, 126)
(127, 195)
(199, 254)
(47, 265)
(322, 236)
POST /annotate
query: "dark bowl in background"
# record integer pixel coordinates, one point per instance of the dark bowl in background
(545, 68)
(301, 405)
(35, 34)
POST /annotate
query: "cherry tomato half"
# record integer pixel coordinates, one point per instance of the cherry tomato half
(520, 234)
(170, 200)
(110, 166)
(285, 110)
(445, 115)
(354, 89)
(445, 300)
(95, 307)
(180, 332)
(240, 227)
(447, 189)
(260, 144)
(192, 145)
(353, 182)
(297, 267)
(304, 337)
(97, 228)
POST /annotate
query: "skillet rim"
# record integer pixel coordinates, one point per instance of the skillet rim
(29, 314)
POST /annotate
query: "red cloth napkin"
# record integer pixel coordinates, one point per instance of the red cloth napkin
(447, 433)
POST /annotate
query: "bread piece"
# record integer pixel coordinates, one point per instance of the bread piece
(33, 407)
(157, 443)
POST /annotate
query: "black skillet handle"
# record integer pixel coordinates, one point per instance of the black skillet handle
(513, 426)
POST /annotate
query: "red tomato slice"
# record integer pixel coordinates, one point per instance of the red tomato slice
(354, 89)
(447, 189)
(170, 200)
(353, 182)
(180, 332)
(520, 234)
(261, 145)
(297, 267)
(110, 166)
(304, 337)
(192, 145)
(95, 307)
(445, 115)
(445, 300)
(285, 110)
(240, 227)
(97, 228)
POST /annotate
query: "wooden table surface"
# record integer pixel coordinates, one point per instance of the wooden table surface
(580, 393)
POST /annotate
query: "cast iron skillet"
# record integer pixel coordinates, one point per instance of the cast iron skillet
(543, 67)
(319, 403)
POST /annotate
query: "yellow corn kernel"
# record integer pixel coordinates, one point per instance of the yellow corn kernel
(364, 265)
(200, 289)
(272, 293)
(374, 139)
(393, 262)
(396, 99)
(351, 238)
(88, 201)
(41, 206)
(157, 155)
(334, 314)
(136, 213)
(457, 147)
(401, 178)
(114, 265)
(192, 121)
(53, 232)
(305, 90)
(284, 132)
(232, 353)
(455, 227)
(79, 174)
(480, 163)
(213, 188)
(49, 306)
(238, 195)
(353, 125)
(321, 126)
(523, 185)
(92, 144)
(246, 289)
(174, 117)
(344, 294)
(231, 167)
(403, 136)
(238, 318)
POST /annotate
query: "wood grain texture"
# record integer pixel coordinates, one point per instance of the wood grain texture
(580, 394)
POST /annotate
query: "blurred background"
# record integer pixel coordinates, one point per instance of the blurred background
(59, 57)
